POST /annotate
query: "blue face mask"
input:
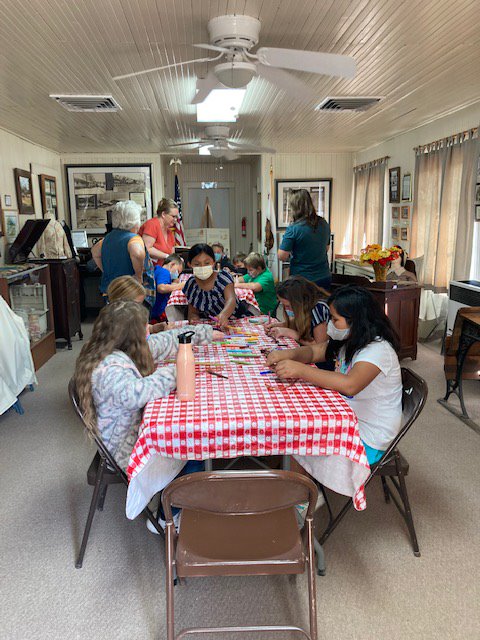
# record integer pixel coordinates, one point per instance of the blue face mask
(218, 257)
(174, 275)
(290, 313)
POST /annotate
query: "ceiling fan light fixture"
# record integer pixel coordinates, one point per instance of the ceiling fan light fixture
(217, 152)
(204, 151)
(235, 74)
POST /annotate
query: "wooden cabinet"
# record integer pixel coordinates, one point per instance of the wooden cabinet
(65, 284)
(44, 348)
(401, 303)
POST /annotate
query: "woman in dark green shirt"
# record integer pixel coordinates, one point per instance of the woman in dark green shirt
(306, 241)
(260, 280)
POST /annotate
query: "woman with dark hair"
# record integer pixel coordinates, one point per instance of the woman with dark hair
(306, 241)
(210, 293)
(367, 372)
(398, 270)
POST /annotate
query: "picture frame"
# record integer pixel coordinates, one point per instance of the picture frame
(320, 190)
(477, 213)
(404, 234)
(405, 213)
(477, 193)
(407, 187)
(23, 185)
(10, 224)
(48, 188)
(394, 184)
(395, 213)
(94, 189)
(395, 234)
(8, 200)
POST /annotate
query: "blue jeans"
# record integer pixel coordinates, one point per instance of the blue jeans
(192, 466)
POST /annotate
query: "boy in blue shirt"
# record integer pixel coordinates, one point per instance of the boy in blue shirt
(166, 281)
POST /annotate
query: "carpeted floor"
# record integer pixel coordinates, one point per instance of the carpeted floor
(374, 589)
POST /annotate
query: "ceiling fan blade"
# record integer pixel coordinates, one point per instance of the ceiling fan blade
(165, 66)
(244, 147)
(212, 47)
(205, 86)
(295, 88)
(328, 64)
(196, 144)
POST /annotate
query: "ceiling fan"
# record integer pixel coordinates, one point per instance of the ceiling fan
(220, 146)
(232, 37)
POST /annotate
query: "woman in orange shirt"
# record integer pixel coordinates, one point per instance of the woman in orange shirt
(159, 233)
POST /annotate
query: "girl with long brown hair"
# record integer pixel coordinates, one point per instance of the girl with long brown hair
(116, 375)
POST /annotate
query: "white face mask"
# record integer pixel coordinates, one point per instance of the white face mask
(174, 275)
(337, 334)
(203, 273)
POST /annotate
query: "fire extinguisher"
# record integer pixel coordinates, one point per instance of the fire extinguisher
(244, 227)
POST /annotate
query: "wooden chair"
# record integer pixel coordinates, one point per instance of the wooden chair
(392, 465)
(237, 523)
(102, 472)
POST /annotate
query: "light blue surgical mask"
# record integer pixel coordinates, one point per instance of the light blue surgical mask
(174, 275)
(218, 257)
(290, 313)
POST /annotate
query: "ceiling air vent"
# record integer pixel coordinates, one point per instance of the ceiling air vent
(347, 103)
(92, 104)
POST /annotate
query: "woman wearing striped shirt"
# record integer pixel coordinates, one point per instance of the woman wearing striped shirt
(210, 293)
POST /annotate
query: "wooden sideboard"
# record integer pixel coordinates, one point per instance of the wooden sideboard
(401, 303)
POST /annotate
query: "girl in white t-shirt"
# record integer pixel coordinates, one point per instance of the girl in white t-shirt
(367, 372)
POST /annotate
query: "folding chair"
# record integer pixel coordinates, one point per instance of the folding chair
(237, 523)
(102, 472)
(392, 464)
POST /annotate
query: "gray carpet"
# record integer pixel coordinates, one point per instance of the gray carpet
(375, 588)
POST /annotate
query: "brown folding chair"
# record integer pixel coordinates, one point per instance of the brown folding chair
(392, 464)
(237, 523)
(102, 472)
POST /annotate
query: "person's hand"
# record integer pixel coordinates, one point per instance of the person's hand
(217, 336)
(289, 369)
(157, 328)
(222, 320)
(274, 357)
(273, 322)
(278, 332)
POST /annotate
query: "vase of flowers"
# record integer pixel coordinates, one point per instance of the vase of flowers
(379, 258)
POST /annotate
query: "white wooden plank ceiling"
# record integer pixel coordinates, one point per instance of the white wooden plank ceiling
(424, 57)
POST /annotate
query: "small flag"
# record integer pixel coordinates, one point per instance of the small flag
(179, 231)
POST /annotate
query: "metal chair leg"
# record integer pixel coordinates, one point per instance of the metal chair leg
(91, 513)
(312, 600)
(386, 491)
(170, 585)
(101, 500)
(408, 513)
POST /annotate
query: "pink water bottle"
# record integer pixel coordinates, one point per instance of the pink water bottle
(185, 367)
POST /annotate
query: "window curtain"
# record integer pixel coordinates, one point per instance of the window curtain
(368, 204)
(443, 211)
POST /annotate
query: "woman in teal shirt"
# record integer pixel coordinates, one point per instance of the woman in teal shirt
(306, 241)
(260, 280)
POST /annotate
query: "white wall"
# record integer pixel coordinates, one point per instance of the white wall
(17, 153)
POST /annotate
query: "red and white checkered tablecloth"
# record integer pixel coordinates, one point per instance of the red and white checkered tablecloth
(179, 298)
(250, 414)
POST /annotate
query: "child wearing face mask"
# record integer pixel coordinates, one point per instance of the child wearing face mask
(260, 280)
(367, 372)
(166, 281)
(211, 293)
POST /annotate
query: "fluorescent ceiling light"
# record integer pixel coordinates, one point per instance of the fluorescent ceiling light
(204, 151)
(221, 105)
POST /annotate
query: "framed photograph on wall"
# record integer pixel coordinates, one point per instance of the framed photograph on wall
(23, 185)
(395, 213)
(8, 200)
(477, 193)
(405, 213)
(395, 235)
(95, 189)
(404, 234)
(10, 225)
(477, 213)
(48, 189)
(320, 191)
(394, 184)
(407, 187)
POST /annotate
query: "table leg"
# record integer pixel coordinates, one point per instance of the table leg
(456, 386)
(208, 464)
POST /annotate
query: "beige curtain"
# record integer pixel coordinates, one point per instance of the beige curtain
(368, 203)
(442, 225)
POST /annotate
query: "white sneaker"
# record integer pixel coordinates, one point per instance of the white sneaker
(162, 523)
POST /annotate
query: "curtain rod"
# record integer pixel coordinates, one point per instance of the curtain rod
(448, 141)
(372, 163)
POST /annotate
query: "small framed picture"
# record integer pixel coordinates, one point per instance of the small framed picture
(407, 187)
(394, 184)
(395, 213)
(477, 193)
(11, 226)
(405, 214)
(477, 213)
(48, 203)
(8, 201)
(54, 201)
(404, 235)
(394, 233)
(23, 183)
